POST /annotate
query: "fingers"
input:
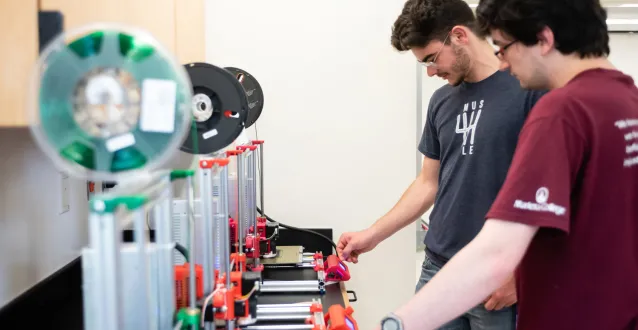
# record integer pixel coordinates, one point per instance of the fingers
(511, 300)
(347, 250)
(497, 302)
(503, 303)
(491, 304)
(500, 305)
(341, 245)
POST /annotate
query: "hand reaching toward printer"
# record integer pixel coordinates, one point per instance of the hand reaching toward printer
(351, 245)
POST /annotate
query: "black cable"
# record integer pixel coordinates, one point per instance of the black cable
(300, 229)
(181, 249)
(273, 235)
(284, 225)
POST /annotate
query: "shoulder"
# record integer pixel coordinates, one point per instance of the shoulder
(439, 98)
(532, 97)
(508, 88)
(551, 104)
(535, 95)
(443, 93)
(555, 112)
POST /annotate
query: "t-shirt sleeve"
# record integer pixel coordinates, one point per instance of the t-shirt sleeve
(541, 177)
(429, 144)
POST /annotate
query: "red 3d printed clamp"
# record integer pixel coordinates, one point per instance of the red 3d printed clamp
(336, 269)
(317, 318)
(250, 242)
(209, 163)
(340, 318)
(233, 152)
(245, 147)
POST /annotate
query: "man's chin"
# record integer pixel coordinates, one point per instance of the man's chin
(454, 83)
(453, 80)
(526, 85)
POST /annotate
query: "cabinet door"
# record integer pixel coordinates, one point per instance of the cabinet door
(177, 24)
(19, 45)
(155, 16)
(190, 41)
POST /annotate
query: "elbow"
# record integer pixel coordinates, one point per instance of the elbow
(502, 264)
(502, 269)
(429, 187)
(503, 245)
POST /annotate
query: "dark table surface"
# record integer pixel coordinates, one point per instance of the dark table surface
(334, 293)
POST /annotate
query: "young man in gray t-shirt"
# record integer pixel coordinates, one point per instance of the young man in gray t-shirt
(469, 140)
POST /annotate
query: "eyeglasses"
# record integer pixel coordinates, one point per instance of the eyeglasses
(501, 52)
(432, 63)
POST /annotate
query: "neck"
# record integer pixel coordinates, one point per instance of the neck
(483, 62)
(570, 66)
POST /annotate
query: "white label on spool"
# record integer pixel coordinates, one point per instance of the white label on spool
(158, 106)
(209, 134)
(120, 142)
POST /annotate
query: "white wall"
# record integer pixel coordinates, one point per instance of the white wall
(35, 240)
(623, 49)
(339, 122)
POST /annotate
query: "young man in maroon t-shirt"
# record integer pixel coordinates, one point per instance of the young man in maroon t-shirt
(566, 218)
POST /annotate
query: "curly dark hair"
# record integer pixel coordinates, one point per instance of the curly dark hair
(579, 26)
(422, 21)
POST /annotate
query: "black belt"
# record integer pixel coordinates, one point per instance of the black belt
(437, 259)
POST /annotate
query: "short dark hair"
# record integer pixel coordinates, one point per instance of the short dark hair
(579, 26)
(422, 21)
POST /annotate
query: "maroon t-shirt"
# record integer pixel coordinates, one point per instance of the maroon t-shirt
(575, 175)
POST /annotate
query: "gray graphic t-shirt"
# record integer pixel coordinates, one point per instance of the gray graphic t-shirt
(472, 129)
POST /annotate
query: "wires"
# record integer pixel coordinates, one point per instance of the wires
(284, 225)
(301, 230)
(250, 293)
(181, 249)
(202, 320)
(275, 232)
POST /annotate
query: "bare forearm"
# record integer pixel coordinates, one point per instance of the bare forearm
(468, 278)
(454, 290)
(417, 199)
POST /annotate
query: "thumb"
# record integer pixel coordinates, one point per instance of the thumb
(347, 250)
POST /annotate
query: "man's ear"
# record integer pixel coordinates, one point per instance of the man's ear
(546, 40)
(460, 35)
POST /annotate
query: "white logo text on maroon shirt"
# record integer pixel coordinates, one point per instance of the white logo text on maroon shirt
(541, 205)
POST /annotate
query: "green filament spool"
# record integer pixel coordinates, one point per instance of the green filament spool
(108, 101)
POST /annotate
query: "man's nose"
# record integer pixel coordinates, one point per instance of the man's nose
(504, 65)
(431, 71)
